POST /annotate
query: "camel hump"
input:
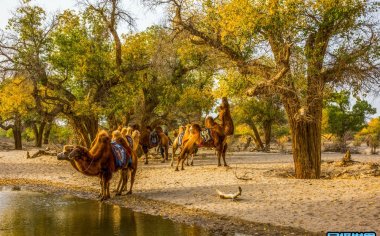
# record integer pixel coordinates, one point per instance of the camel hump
(209, 122)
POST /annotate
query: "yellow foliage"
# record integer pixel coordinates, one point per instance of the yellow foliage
(15, 97)
(243, 129)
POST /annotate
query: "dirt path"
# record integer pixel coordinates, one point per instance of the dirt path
(346, 203)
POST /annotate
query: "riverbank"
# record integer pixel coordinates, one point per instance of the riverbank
(271, 204)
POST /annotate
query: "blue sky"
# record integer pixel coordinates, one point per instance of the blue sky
(144, 18)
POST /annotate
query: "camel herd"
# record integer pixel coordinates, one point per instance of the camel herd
(103, 160)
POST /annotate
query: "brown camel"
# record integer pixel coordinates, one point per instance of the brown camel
(134, 136)
(180, 140)
(214, 136)
(146, 142)
(100, 160)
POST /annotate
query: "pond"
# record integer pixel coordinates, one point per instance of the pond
(32, 213)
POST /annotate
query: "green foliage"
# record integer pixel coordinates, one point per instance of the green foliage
(342, 118)
(61, 134)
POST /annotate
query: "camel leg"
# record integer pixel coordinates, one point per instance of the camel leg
(118, 188)
(106, 177)
(224, 154)
(219, 153)
(183, 160)
(166, 153)
(146, 158)
(179, 159)
(101, 188)
(122, 182)
(162, 152)
(133, 174)
(174, 149)
(192, 159)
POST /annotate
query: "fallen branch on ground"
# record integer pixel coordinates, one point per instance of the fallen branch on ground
(232, 196)
(244, 177)
(41, 153)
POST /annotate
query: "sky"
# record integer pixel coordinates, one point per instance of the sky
(144, 18)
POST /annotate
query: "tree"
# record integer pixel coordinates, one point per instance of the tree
(15, 100)
(176, 87)
(261, 111)
(343, 119)
(24, 49)
(372, 134)
(293, 48)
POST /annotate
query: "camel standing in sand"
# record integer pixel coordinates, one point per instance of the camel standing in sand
(146, 144)
(182, 137)
(99, 160)
(218, 133)
(132, 137)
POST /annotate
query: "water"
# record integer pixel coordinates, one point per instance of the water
(31, 213)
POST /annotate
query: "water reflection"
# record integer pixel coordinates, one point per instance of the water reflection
(30, 213)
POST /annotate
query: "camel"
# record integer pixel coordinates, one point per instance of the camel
(132, 137)
(180, 140)
(215, 135)
(100, 160)
(163, 141)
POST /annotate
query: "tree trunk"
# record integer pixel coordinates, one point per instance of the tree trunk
(17, 130)
(306, 143)
(47, 133)
(256, 137)
(38, 133)
(267, 126)
(86, 128)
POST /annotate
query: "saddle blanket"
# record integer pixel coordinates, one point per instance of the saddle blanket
(130, 140)
(206, 135)
(180, 138)
(154, 139)
(121, 155)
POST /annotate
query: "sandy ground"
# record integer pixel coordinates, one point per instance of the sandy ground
(346, 199)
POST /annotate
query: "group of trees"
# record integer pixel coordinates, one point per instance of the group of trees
(278, 60)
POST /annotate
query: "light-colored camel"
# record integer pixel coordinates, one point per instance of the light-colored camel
(178, 143)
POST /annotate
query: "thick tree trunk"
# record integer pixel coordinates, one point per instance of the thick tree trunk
(38, 133)
(17, 130)
(267, 126)
(47, 133)
(86, 128)
(306, 141)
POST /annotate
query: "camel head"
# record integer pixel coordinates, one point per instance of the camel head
(181, 129)
(195, 128)
(209, 122)
(136, 134)
(67, 149)
(78, 153)
(116, 135)
(159, 129)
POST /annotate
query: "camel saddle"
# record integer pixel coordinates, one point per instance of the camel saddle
(180, 138)
(122, 156)
(154, 139)
(130, 140)
(206, 135)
